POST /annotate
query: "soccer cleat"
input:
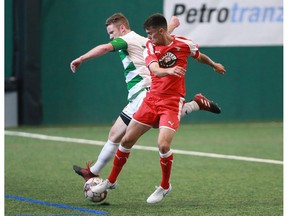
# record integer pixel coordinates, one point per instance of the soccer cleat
(85, 173)
(206, 104)
(103, 186)
(158, 194)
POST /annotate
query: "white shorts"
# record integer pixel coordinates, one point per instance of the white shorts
(132, 107)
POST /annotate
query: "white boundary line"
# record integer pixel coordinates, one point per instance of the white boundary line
(147, 148)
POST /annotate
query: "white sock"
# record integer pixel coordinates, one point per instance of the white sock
(167, 154)
(107, 153)
(189, 107)
(123, 149)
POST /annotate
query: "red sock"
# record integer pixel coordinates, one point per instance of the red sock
(119, 161)
(166, 166)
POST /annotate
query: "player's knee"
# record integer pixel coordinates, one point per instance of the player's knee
(163, 148)
(115, 136)
(127, 142)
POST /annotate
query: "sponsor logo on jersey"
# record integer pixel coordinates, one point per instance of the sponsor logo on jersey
(168, 60)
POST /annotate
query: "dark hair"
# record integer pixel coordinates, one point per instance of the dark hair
(156, 21)
(118, 19)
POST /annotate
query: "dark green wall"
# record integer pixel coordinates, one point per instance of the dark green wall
(8, 38)
(252, 89)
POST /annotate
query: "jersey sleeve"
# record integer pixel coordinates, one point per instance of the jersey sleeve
(194, 50)
(193, 47)
(119, 44)
(149, 54)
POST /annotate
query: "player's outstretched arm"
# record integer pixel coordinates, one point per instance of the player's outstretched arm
(219, 68)
(93, 53)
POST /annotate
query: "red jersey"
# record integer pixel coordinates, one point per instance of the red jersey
(175, 54)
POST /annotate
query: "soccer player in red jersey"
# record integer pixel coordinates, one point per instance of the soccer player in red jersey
(166, 57)
(130, 47)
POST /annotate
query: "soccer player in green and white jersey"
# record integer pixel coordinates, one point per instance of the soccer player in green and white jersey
(130, 46)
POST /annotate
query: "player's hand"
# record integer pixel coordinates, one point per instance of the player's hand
(219, 68)
(176, 71)
(174, 21)
(75, 64)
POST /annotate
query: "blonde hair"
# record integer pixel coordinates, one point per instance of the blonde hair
(118, 19)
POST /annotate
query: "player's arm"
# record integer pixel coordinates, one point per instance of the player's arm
(93, 53)
(204, 59)
(161, 72)
(152, 63)
(174, 23)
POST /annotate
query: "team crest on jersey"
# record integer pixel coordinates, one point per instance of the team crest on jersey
(168, 60)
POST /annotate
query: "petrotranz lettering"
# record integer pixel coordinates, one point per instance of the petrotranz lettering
(235, 14)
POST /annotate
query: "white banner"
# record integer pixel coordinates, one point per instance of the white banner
(228, 22)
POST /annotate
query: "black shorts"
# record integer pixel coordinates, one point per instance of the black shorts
(126, 119)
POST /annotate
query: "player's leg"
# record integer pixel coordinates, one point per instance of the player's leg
(142, 121)
(115, 135)
(169, 112)
(133, 132)
(109, 149)
(107, 153)
(166, 160)
(200, 102)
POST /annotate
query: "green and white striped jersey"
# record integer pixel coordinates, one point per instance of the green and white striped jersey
(137, 75)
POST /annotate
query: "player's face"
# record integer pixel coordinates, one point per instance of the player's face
(155, 35)
(113, 31)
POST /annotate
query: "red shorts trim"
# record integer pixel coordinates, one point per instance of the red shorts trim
(160, 110)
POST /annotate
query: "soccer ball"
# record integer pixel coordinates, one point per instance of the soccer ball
(92, 196)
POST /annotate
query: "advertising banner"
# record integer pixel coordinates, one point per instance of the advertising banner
(228, 22)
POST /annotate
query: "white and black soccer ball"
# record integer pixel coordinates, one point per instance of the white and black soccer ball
(92, 196)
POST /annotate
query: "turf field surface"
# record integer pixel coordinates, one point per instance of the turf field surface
(39, 171)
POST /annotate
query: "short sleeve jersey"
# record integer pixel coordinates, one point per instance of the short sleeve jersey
(137, 75)
(175, 54)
